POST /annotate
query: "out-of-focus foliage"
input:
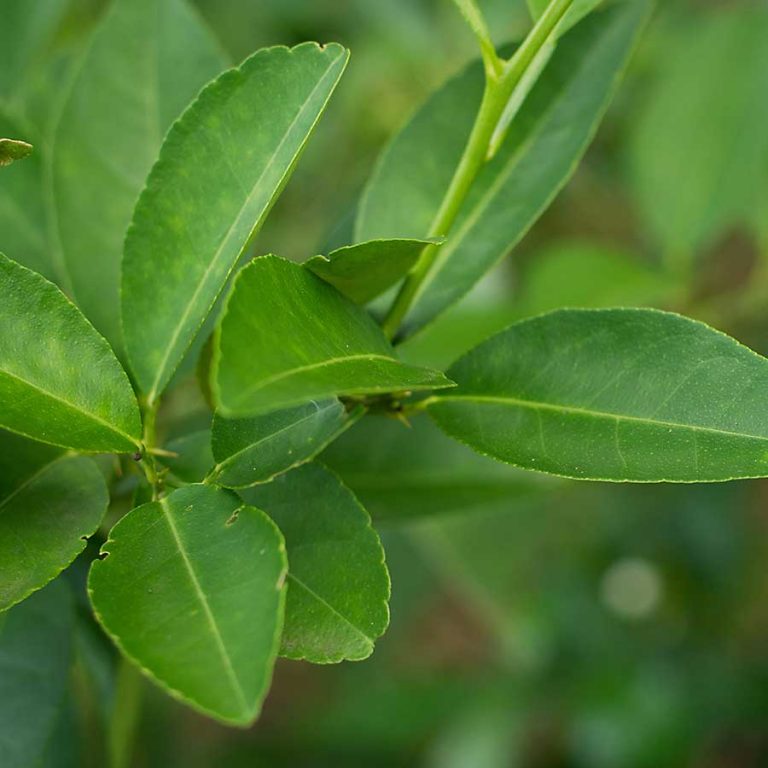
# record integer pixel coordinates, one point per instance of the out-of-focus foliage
(554, 624)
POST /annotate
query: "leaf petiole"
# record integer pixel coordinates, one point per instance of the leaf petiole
(149, 450)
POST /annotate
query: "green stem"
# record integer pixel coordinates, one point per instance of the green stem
(476, 22)
(125, 715)
(149, 412)
(499, 88)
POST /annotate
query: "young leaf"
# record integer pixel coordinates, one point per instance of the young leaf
(402, 474)
(35, 658)
(619, 394)
(49, 504)
(250, 451)
(693, 183)
(537, 157)
(146, 61)
(476, 22)
(13, 149)
(365, 270)
(22, 211)
(338, 585)
(59, 380)
(287, 337)
(221, 168)
(191, 589)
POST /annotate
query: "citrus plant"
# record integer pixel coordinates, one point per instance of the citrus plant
(228, 543)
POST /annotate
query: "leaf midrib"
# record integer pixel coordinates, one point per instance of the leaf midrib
(476, 213)
(72, 406)
(215, 631)
(31, 479)
(369, 641)
(232, 458)
(569, 409)
(246, 393)
(253, 194)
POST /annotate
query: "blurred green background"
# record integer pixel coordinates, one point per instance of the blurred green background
(535, 623)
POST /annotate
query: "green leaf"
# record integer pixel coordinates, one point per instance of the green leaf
(618, 394)
(146, 61)
(191, 589)
(22, 211)
(366, 270)
(537, 157)
(563, 274)
(338, 585)
(35, 658)
(193, 459)
(402, 474)
(286, 337)
(13, 149)
(59, 380)
(221, 168)
(49, 504)
(692, 183)
(250, 451)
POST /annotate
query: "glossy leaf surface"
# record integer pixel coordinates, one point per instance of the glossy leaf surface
(550, 133)
(401, 474)
(59, 380)
(35, 658)
(338, 585)
(145, 62)
(250, 451)
(221, 168)
(49, 504)
(287, 337)
(191, 589)
(623, 394)
(365, 270)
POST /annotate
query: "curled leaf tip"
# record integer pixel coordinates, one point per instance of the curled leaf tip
(13, 149)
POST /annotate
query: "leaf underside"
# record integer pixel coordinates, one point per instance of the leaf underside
(250, 451)
(365, 270)
(401, 473)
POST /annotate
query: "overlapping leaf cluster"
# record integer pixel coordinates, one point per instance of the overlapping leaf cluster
(240, 545)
